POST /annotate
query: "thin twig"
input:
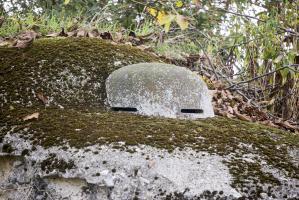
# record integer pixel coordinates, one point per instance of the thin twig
(258, 77)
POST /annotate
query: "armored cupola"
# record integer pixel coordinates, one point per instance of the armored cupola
(157, 89)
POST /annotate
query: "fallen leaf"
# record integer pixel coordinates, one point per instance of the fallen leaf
(269, 123)
(72, 33)
(286, 125)
(129, 43)
(230, 110)
(113, 43)
(4, 42)
(144, 47)
(106, 36)
(22, 44)
(52, 34)
(118, 37)
(152, 11)
(243, 117)
(31, 116)
(135, 41)
(25, 39)
(42, 97)
(93, 33)
(27, 35)
(182, 21)
(81, 33)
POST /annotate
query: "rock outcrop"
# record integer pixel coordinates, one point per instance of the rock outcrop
(58, 139)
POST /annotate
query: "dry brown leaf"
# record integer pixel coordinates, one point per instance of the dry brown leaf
(213, 92)
(52, 35)
(269, 123)
(223, 94)
(286, 125)
(42, 97)
(56, 34)
(219, 101)
(4, 42)
(113, 43)
(31, 116)
(81, 33)
(217, 84)
(229, 115)
(22, 44)
(25, 39)
(106, 36)
(72, 33)
(239, 98)
(118, 37)
(144, 47)
(93, 33)
(229, 95)
(129, 43)
(27, 35)
(243, 117)
(230, 110)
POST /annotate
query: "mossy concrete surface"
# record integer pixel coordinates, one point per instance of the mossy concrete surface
(68, 72)
(70, 75)
(220, 136)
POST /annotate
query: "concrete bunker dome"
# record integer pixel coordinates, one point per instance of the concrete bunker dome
(158, 89)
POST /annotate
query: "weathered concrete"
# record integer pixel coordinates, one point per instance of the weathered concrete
(79, 150)
(160, 90)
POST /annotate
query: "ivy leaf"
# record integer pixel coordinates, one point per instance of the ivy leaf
(182, 22)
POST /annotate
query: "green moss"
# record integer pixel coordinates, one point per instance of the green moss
(84, 121)
(70, 72)
(217, 135)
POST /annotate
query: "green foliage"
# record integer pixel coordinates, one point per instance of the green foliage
(45, 23)
(10, 27)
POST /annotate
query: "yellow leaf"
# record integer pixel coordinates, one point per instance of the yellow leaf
(179, 4)
(66, 2)
(162, 17)
(182, 22)
(165, 19)
(152, 11)
(167, 27)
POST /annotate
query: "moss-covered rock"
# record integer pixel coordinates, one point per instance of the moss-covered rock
(68, 72)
